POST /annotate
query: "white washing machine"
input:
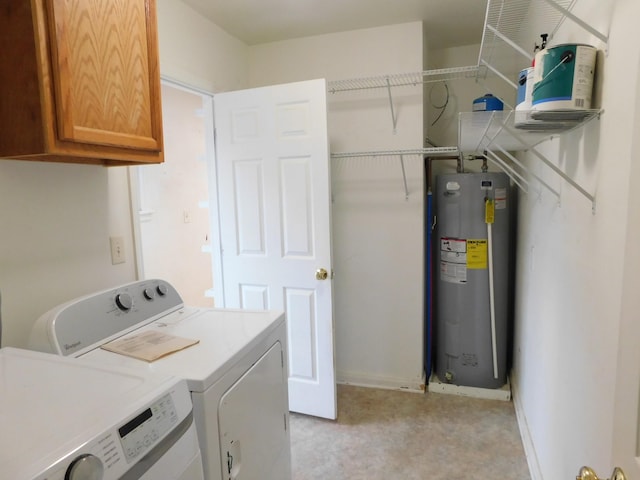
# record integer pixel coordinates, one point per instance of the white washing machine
(64, 419)
(237, 372)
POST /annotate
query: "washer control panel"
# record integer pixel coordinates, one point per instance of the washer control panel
(88, 322)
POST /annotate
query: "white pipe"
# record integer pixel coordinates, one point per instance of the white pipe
(492, 302)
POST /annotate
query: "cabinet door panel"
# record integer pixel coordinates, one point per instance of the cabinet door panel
(105, 72)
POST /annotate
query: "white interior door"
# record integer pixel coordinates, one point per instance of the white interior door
(272, 159)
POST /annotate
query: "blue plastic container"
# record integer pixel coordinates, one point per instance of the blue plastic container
(487, 103)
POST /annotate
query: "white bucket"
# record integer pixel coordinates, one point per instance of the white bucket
(563, 78)
(524, 100)
(525, 89)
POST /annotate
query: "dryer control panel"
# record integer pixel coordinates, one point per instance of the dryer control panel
(142, 431)
(121, 449)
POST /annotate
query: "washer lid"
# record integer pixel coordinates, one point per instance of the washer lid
(50, 406)
(224, 335)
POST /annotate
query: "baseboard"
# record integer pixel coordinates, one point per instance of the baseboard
(375, 381)
(502, 393)
(525, 434)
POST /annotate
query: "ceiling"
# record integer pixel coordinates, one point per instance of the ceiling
(448, 23)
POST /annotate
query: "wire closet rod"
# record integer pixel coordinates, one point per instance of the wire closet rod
(432, 152)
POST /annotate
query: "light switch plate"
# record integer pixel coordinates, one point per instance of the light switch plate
(117, 250)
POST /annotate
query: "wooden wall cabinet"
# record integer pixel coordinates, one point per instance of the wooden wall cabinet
(80, 81)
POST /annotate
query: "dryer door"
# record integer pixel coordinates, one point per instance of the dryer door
(254, 422)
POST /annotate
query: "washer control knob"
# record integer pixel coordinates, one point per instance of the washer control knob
(85, 467)
(149, 293)
(162, 289)
(124, 301)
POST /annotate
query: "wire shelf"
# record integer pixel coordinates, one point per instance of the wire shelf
(509, 131)
(512, 33)
(402, 154)
(402, 79)
(516, 130)
(426, 152)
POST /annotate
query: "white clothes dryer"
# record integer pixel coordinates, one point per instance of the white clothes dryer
(64, 419)
(237, 372)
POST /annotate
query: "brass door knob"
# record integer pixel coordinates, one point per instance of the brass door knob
(586, 473)
(618, 474)
(322, 274)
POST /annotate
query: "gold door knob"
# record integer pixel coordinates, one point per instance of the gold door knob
(618, 474)
(586, 473)
(322, 274)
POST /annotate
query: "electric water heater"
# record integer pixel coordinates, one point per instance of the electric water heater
(471, 278)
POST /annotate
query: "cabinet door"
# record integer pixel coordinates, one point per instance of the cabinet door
(105, 72)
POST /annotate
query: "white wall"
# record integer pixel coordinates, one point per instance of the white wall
(570, 267)
(56, 219)
(195, 51)
(461, 93)
(627, 416)
(377, 234)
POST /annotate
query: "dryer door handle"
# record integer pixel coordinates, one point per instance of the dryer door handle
(234, 459)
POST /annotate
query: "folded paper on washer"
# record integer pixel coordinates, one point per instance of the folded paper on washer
(148, 346)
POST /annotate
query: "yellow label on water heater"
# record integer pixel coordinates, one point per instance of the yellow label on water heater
(489, 210)
(477, 254)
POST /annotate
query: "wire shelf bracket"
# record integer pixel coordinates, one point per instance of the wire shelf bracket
(498, 131)
(565, 12)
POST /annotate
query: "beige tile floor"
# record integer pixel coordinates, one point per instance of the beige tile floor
(384, 434)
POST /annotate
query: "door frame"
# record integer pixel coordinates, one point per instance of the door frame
(137, 215)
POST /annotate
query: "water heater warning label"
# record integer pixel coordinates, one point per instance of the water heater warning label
(453, 272)
(477, 254)
(453, 260)
(453, 245)
(459, 255)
